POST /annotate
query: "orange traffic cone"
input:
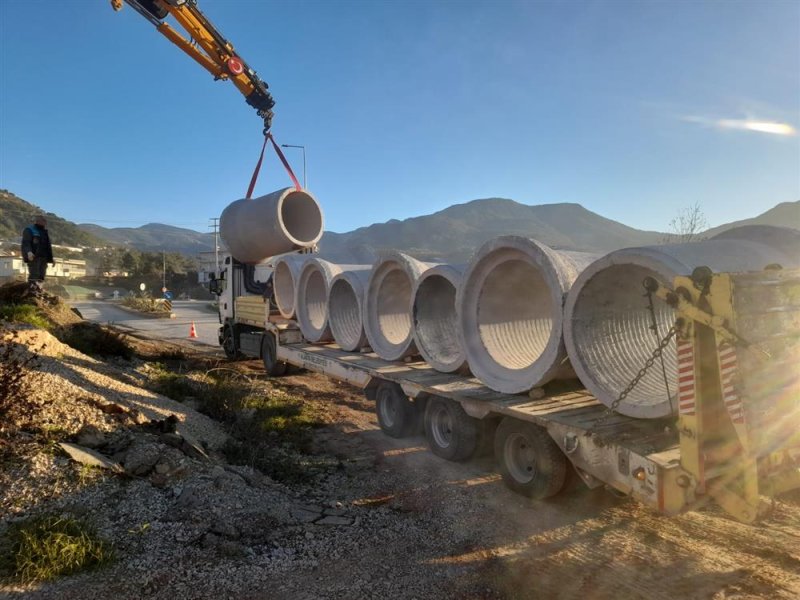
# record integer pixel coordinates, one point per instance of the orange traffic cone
(192, 331)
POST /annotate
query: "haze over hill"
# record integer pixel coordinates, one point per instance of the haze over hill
(449, 235)
(452, 234)
(154, 237)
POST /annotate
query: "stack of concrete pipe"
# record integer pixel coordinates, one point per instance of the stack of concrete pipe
(518, 316)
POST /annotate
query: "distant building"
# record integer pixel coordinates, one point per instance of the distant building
(12, 267)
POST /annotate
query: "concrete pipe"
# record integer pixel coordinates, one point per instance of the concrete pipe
(284, 282)
(510, 312)
(436, 331)
(781, 238)
(313, 287)
(257, 229)
(389, 303)
(607, 323)
(346, 299)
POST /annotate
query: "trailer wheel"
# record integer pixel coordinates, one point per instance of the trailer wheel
(229, 343)
(397, 416)
(451, 433)
(529, 460)
(269, 354)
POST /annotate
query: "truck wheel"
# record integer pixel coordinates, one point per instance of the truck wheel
(529, 460)
(451, 433)
(269, 354)
(229, 343)
(397, 416)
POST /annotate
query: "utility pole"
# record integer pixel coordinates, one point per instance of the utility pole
(215, 225)
(163, 271)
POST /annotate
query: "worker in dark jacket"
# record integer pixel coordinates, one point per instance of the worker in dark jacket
(36, 250)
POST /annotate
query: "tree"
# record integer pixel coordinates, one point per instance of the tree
(130, 261)
(687, 226)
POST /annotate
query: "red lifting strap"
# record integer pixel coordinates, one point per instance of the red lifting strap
(256, 171)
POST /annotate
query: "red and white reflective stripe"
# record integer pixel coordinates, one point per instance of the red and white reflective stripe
(727, 371)
(686, 382)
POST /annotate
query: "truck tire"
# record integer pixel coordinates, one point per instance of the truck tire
(397, 416)
(269, 354)
(451, 433)
(529, 460)
(229, 344)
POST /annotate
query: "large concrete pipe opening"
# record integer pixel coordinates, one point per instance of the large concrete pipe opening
(312, 299)
(259, 228)
(301, 218)
(608, 325)
(436, 331)
(312, 312)
(345, 309)
(389, 305)
(284, 283)
(510, 312)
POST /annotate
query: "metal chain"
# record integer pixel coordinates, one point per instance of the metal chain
(635, 381)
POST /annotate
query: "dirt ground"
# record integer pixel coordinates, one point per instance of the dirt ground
(583, 543)
(415, 526)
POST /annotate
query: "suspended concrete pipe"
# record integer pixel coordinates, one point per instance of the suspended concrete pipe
(313, 287)
(510, 311)
(259, 228)
(346, 300)
(284, 282)
(388, 316)
(608, 325)
(436, 332)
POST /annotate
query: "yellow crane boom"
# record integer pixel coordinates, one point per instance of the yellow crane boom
(206, 46)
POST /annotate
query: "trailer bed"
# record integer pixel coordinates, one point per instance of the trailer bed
(575, 410)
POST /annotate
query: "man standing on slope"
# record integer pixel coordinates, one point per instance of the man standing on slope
(37, 251)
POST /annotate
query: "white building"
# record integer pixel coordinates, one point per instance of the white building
(12, 267)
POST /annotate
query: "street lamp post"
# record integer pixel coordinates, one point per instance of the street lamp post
(303, 148)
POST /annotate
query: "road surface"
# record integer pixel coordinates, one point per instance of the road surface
(186, 312)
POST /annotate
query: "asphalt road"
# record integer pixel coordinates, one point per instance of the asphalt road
(177, 329)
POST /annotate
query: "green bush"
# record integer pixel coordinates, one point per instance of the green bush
(24, 313)
(173, 385)
(50, 546)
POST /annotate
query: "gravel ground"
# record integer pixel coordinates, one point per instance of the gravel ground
(386, 520)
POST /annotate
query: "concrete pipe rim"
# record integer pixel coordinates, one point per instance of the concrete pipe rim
(648, 262)
(538, 361)
(314, 320)
(390, 272)
(346, 313)
(301, 217)
(284, 292)
(447, 356)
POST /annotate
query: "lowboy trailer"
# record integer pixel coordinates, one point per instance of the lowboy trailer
(735, 441)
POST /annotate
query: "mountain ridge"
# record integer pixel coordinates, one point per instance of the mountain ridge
(449, 235)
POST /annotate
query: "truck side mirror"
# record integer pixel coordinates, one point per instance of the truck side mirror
(216, 286)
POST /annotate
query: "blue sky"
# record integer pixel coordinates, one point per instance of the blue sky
(633, 109)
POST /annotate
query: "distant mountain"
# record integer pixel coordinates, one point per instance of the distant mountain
(16, 214)
(154, 237)
(454, 233)
(450, 235)
(785, 214)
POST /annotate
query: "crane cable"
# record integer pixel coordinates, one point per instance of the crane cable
(268, 138)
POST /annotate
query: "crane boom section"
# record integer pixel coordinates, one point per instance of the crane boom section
(205, 45)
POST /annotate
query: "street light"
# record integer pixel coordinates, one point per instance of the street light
(303, 148)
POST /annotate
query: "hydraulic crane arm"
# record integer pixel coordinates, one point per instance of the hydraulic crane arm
(207, 47)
